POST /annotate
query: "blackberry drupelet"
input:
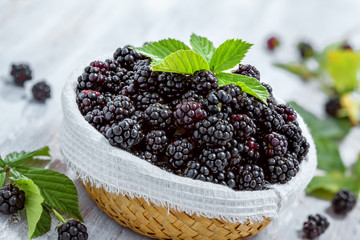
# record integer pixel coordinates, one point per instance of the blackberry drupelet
(119, 108)
(41, 91)
(11, 199)
(20, 73)
(188, 113)
(250, 177)
(199, 171)
(127, 57)
(343, 202)
(275, 144)
(156, 141)
(215, 159)
(332, 107)
(248, 70)
(249, 150)
(172, 85)
(203, 82)
(315, 226)
(124, 134)
(287, 112)
(96, 118)
(281, 169)
(93, 76)
(72, 229)
(158, 116)
(144, 78)
(180, 152)
(305, 49)
(243, 126)
(87, 100)
(144, 99)
(217, 101)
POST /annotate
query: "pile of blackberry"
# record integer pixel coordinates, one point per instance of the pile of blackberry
(189, 125)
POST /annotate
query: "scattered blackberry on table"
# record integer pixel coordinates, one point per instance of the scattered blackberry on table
(127, 57)
(119, 108)
(272, 43)
(158, 116)
(180, 152)
(243, 126)
(215, 159)
(343, 202)
(88, 100)
(72, 229)
(172, 85)
(248, 70)
(144, 78)
(41, 91)
(315, 226)
(281, 169)
(11, 199)
(287, 112)
(20, 73)
(306, 50)
(250, 177)
(144, 99)
(203, 82)
(275, 144)
(332, 107)
(188, 113)
(156, 141)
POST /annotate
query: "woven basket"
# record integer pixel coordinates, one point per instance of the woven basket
(157, 222)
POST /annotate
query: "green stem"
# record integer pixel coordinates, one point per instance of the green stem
(58, 216)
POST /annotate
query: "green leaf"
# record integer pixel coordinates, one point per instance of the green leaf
(327, 186)
(322, 56)
(298, 69)
(17, 158)
(248, 84)
(229, 54)
(33, 203)
(356, 168)
(328, 155)
(183, 61)
(36, 162)
(2, 178)
(57, 189)
(202, 46)
(2, 162)
(43, 225)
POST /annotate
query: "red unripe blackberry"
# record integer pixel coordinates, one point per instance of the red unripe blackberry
(156, 141)
(287, 112)
(20, 73)
(275, 144)
(72, 229)
(250, 177)
(188, 113)
(243, 125)
(203, 82)
(127, 57)
(272, 43)
(281, 169)
(158, 116)
(248, 70)
(180, 152)
(315, 226)
(11, 199)
(343, 202)
(88, 100)
(41, 91)
(119, 108)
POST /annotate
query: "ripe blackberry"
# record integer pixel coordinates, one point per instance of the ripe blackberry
(281, 169)
(248, 105)
(96, 118)
(232, 147)
(243, 125)
(305, 49)
(332, 107)
(249, 150)
(191, 96)
(149, 157)
(103, 128)
(315, 226)
(144, 78)
(215, 159)
(156, 141)
(287, 112)
(20, 73)
(217, 101)
(199, 171)
(172, 85)
(87, 100)
(144, 99)
(158, 116)
(119, 108)
(248, 70)
(11, 199)
(93, 76)
(300, 148)
(343, 202)
(250, 177)
(72, 229)
(227, 178)
(127, 57)
(270, 121)
(292, 131)
(213, 132)
(138, 116)
(180, 152)
(188, 113)
(203, 82)
(41, 91)
(124, 134)
(272, 43)
(275, 144)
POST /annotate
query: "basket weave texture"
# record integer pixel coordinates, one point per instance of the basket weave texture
(157, 222)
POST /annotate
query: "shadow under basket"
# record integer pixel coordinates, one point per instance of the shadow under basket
(157, 222)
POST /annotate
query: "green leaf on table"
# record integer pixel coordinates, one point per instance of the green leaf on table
(202, 46)
(356, 168)
(17, 158)
(298, 69)
(33, 202)
(327, 186)
(43, 225)
(229, 54)
(57, 189)
(328, 155)
(2, 178)
(248, 84)
(183, 61)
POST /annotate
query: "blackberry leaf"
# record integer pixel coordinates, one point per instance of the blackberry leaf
(298, 69)
(202, 46)
(16, 158)
(229, 54)
(43, 225)
(328, 155)
(2, 177)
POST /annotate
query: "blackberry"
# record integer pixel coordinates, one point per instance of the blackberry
(249, 150)
(215, 159)
(144, 78)
(213, 132)
(156, 141)
(127, 57)
(228, 178)
(332, 107)
(138, 116)
(248, 70)
(232, 147)
(275, 144)
(11, 199)
(20, 73)
(305, 49)
(72, 229)
(272, 43)
(287, 112)
(300, 148)
(144, 99)
(119, 108)
(346, 46)
(315, 226)
(292, 131)
(188, 113)
(124, 134)
(88, 100)
(343, 202)
(103, 129)
(217, 101)
(158, 116)
(281, 169)
(149, 157)
(203, 82)
(270, 121)
(191, 96)
(248, 105)
(93, 76)
(172, 85)
(250, 177)
(41, 91)
(180, 152)
(199, 171)
(96, 118)
(243, 125)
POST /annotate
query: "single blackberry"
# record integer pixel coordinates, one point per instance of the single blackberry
(149, 157)
(343, 202)
(287, 112)
(332, 107)
(191, 96)
(72, 229)
(227, 177)
(20, 73)
(11, 199)
(115, 77)
(144, 78)
(213, 132)
(305, 49)
(315, 226)
(41, 91)
(144, 99)
(272, 43)
(93, 76)
(281, 169)
(248, 70)
(250, 177)
(249, 150)
(203, 82)
(270, 121)
(124, 134)
(247, 104)
(96, 118)
(119, 108)
(156, 141)
(300, 148)
(180, 152)
(243, 125)
(292, 132)
(188, 113)
(199, 171)
(232, 147)
(158, 116)
(172, 85)
(127, 57)
(88, 100)
(217, 101)
(275, 144)
(215, 159)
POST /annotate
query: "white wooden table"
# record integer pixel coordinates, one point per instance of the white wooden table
(54, 36)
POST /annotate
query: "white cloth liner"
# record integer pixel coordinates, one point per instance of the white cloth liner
(95, 161)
